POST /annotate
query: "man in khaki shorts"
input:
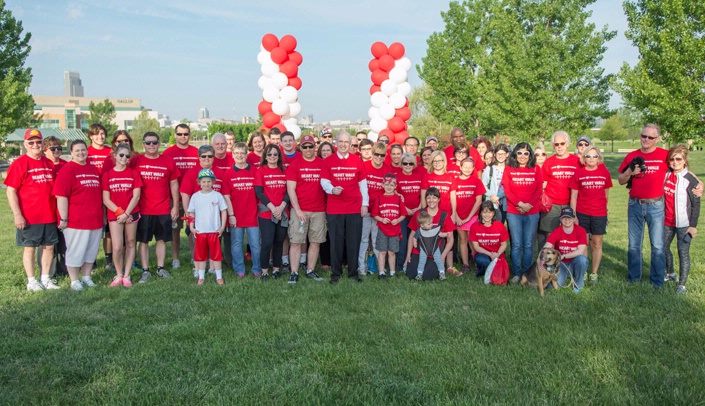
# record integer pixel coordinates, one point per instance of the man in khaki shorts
(308, 214)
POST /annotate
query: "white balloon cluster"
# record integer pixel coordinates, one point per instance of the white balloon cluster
(389, 99)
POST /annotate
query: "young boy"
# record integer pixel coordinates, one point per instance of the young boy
(426, 240)
(387, 210)
(208, 210)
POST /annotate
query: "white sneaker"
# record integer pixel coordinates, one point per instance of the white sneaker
(442, 275)
(34, 286)
(163, 273)
(76, 285)
(145, 276)
(88, 282)
(175, 264)
(50, 285)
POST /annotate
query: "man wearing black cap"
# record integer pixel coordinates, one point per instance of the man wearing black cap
(571, 241)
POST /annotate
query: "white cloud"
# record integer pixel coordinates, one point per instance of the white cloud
(53, 44)
(74, 11)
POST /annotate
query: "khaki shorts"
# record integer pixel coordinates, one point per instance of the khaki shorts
(315, 227)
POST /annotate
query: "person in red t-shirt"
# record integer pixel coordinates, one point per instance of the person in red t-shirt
(289, 155)
(98, 152)
(394, 157)
(121, 195)
(388, 210)
(409, 187)
(459, 154)
(488, 237)
(29, 181)
(375, 171)
(590, 188)
(256, 145)
(571, 241)
(80, 206)
(365, 148)
(120, 137)
(52, 150)
(458, 140)
(223, 161)
(465, 199)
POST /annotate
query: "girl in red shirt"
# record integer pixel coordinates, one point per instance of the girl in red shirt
(465, 198)
(256, 145)
(489, 238)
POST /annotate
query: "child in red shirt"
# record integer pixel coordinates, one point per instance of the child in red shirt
(387, 210)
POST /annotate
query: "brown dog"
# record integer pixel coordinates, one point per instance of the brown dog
(544, 270)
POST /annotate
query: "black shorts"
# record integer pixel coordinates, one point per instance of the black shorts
(596, 225)
(35, 235)
(157, 227)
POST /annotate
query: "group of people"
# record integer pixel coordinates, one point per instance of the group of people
(295, 201)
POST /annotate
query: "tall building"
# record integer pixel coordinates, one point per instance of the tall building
(72, 84)
(203, 113)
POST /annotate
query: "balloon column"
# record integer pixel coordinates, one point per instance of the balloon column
(389, 92)
(280, 83)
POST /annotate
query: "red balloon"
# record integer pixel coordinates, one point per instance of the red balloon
(288, 42)
(269, 42)
(396, 50)
(379, 76)
(296, 58)
(389, 133)
(378, 49)
(374, 89)
(295, 82)
(392, 140)
(401, 136)
(271, 119)
(386, 63)
(264, 107)
(396, 124)
(403, 113)
(289, 68)
(373, 65)
(279, 55)
(280, 126)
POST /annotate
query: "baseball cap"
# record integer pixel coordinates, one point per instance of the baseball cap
(307, 139)
(431, 138)
(567, 212)
(32, 133)
(206, 173)
(583, 138)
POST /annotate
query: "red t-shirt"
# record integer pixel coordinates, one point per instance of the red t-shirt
(241, 183)
(224, 163)
(59, 165)
(650, 185)
(190, 185)
(375, 179)
(591, 186)
(447, 226)
(444, 183)
(557, 173)
(669, 192)
(389, 207)
(522, 185)
(121, 186)
(307, 175)
(567, 243)
(254, 160)
(156, 174)
(34, 181)
(409, 186)
(453, 169)
(274, 183)
(184, 158)
(288, 160)
(347, 173)
(466, 193)
(80, 184)
(96, 157)
(489, 238)
(449, 151)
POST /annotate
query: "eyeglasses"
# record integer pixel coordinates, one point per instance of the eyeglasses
(273, 154)
(591, 156)
(122, 141)
(124, 156)
(182, 134)
(558, 144)
(675, 158)
(646, 136)
(462, 152)
(354, 145)
(54, 149)
(307, 146)
(524, 153)
(583, 144)
(384, 141)
(438, 161)
(540, 154)
(327, 137)
(207, 156)
(33, 143)
(150, 142)
(365, 149)
(407, 163)
(379, 155)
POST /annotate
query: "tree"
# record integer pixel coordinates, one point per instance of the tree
(16, 104)
(519, 67)
(667, 83)
(143, 124)
(103, 113)
(613, 130)
(632, 120)
(422, 123)
(242, 131)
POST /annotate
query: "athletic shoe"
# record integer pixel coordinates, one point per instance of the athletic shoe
(256, 274)
(117, 281)
(334, 280)
(50, 285)
(276, 274)
(163, 272)
(680, 290)
(126, 282)
(576, 290)
(34, 286)
(265, 277)
(454, 271)
(382, 276)
(76, 285)
(466, 268)
(671, 277)
(514, 280)
(313, 275)
(88, 282)
(442, 275)
(220, 282)
(593, 278)
(293, 278)
(286, 268)
(145, 276)
(392, 274)
(241, 275)
(200, 282)
(110, 266)
(175, 264)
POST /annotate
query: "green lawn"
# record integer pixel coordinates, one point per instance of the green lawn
(391, 342)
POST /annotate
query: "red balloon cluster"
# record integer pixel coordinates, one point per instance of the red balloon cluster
(389, 92)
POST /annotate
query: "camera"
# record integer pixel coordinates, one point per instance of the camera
(637, 161)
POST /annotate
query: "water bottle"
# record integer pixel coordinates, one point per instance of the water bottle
(302, 227)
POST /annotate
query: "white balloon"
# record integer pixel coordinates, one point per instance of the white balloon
(280, 107)
(264, 82)
(373, 112)
(289, 93)
(378, 99)
(378, 124)
(397, 101)
(279, 80)
(388, 87)
(294, 109)
(290, 122)
(386, 111)
(397, 75)
(269, 69)
(264, 57)
(372, 136)
(296, 130)
(270, 94)
(404, 63)
(404, 89)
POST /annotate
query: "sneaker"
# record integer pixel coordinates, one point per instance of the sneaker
(466, 268)
(442, 275)
(419, 276)
(680, 290)
(34, 286)
(276, 274)
(265, 277)
(293, 278)
(117, 281)
(256, 274)
(454, 271)
(286, 268)
(161, 272)
(576, 290)
(514, 280)
(88, 282)
(50, 285)
(334, 280)
(110, 266)
(220, 282)
(241, 275)
(200, 282)
(313, 275)
(392, 274)
(145, 276)
(593, 278)
(77, 286)
(671, 277)
(175, 264)
(126, 282)
(382, 276)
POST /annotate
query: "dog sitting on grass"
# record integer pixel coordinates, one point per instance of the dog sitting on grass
(544, 270)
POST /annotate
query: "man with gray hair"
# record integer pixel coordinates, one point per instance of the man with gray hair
(222, 160)
(557, 172)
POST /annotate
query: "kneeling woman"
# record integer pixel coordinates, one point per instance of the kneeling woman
(488, 237)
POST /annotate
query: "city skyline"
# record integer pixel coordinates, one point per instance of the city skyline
(177, 56)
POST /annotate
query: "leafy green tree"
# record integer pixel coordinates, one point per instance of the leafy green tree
(633, 122)
(16, 104)
(518, 67)
(667, 83)
(241, 131)
(143, 124)
(613, 130)
(103, 113)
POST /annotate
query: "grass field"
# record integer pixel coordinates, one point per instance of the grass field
(379, 342)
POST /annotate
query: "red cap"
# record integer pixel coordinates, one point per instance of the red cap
(307, 139)
(32, 133)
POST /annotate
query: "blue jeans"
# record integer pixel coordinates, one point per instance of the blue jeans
(653, 215)
(522, 230)
(683, 252)
(482, 261)
(236, 240)
(577, 267)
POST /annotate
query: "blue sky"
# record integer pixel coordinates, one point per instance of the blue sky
(179, 55)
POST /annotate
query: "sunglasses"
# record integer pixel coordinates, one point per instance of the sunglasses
(307, 146)
(648, 137)
(122, 141)
(524, 153)
(207, 156)
(124, 155)
(54, 149)
(558, 144)
(379, 155)
(407, 163)
(384, 141)
(675, 158)
(583, 144)
(33, 143)
(183, 134)
(354, 145)
(462, 152)
(327, 137)
(592, 156)
(274, 154)
(150, 142)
